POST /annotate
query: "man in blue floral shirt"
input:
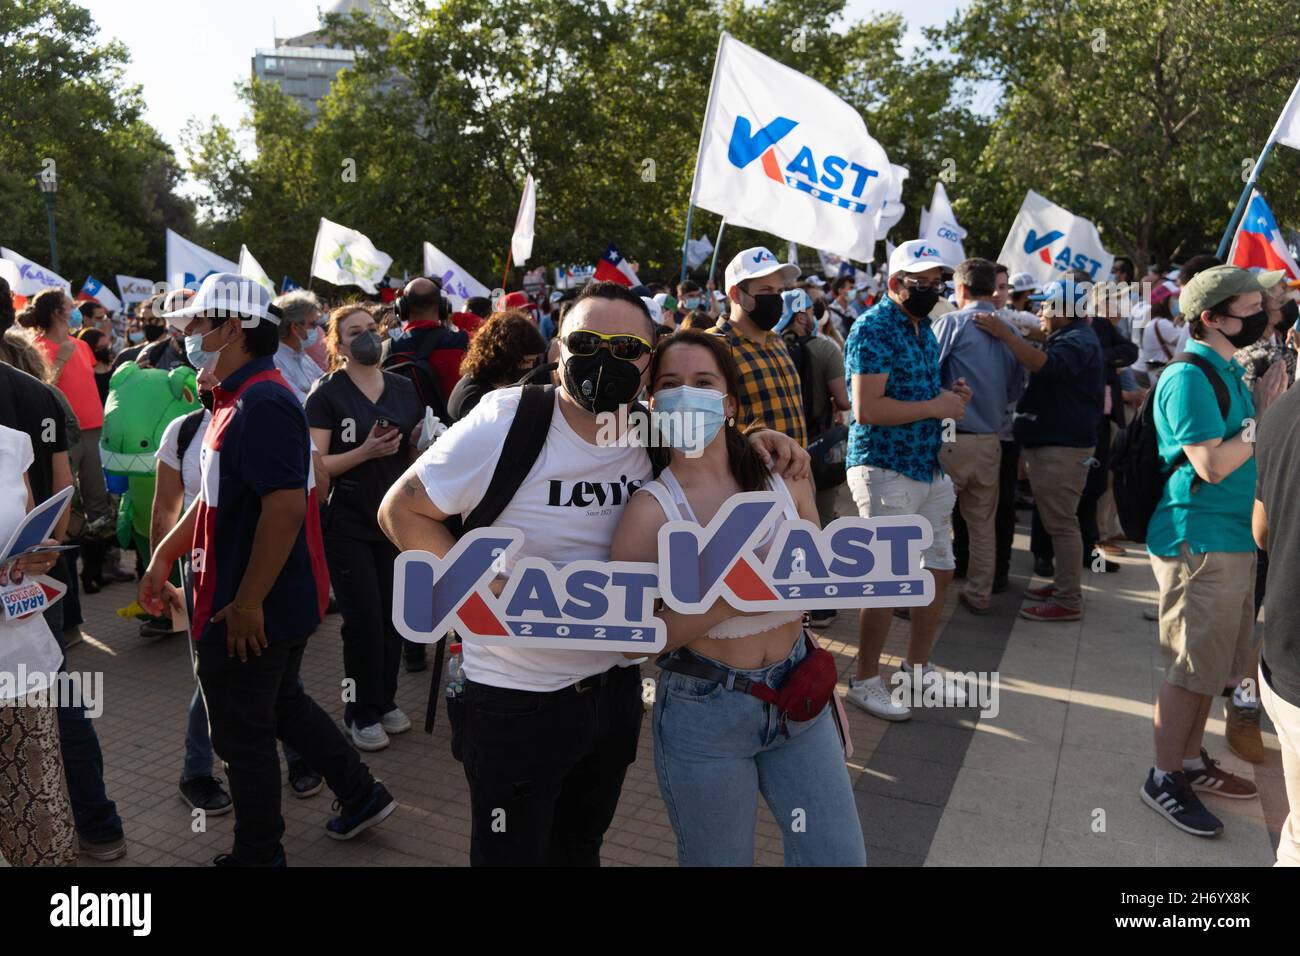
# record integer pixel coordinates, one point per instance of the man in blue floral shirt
(899, 408)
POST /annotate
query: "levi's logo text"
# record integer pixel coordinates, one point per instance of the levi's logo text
(609, 605)
(1066, 260)
(837, 180)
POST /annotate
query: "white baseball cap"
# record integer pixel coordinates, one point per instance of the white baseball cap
(224, 294)
(916, 255)
(1024, 282)
(754, 264)
(655, 310)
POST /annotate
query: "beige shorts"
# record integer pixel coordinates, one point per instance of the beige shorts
(879, 491)
(1207, 616)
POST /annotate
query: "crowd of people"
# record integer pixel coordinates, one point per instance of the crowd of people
(313, 442)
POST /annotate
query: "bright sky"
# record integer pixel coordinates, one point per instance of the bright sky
(217, 50)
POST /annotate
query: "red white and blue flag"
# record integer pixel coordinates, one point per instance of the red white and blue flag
(612, 267)
(93, 289)
(1258, 243)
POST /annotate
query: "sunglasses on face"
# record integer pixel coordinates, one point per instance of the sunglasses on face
(629, 348)
(936, 286)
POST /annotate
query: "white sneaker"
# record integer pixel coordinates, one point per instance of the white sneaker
(952, 693)
(395, 721)
(871, 696)
(368, 738)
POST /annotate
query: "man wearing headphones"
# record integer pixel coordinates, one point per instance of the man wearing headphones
(428, 336)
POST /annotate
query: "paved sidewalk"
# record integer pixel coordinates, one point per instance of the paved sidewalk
(1072, 737)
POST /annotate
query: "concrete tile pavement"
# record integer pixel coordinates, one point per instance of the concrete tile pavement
(948, 788)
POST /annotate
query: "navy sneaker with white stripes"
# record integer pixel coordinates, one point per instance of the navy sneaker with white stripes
(1174, 800)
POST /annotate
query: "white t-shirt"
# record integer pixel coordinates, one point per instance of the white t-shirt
(567, 507)
(28, 642)
(169, 445)
(1159, 329)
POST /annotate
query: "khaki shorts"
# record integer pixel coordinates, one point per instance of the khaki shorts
(1207, 616)
(879, 491)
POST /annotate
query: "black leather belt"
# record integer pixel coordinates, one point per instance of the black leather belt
(725, 676)
(595, 680)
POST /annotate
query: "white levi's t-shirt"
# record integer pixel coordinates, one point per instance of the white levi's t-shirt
(567, 507)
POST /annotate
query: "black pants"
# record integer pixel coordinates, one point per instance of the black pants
(1040, 543)
(362, 575)
(1004, 524)
(545, 769)
(250, 705)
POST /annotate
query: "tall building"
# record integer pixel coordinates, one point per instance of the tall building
(305, 66)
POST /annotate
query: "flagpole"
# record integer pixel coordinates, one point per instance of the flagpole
(509, 252)
(716, 246)
(1245, 197)
(699, 152)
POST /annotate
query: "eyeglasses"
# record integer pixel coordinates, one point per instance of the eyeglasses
(629, 348)
(936, 286)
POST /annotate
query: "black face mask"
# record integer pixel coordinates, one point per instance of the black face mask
(366, 348)
(920, 303)
(1290, 310)
(767, 310)
(601, 383)
(154, 332)
(205, 399)
(1252, 327)
(104, 355)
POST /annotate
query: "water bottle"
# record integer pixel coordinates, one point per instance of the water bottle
(455, 673)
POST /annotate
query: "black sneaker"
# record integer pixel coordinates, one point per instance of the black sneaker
(819, 619)
(229, 859)
(206, 794)
(1043, 568)
(373, 810)
(1175, 801)
(304, 781)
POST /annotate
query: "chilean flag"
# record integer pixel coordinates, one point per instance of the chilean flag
(1258, 243)
(612, 267)
(93, 289)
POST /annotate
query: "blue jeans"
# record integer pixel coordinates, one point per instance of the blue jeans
(716, 750)
(93, 813)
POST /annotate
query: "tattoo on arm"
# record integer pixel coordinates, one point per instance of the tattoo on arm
(413, 487)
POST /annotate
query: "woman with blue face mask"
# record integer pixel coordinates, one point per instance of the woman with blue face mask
(717, 747)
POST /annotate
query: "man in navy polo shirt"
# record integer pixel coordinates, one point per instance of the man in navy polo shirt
(892, 361)
(260, 584)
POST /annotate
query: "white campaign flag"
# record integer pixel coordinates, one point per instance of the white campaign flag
(781, 153)
(1049, 241)
(27, 278)
(188, 264)
(1287, 129)
(893, 207)
(134, 290)
(457, 284)
(697, 250)
(250, 268)
(521, 243)
(940, 227)
(344, 256)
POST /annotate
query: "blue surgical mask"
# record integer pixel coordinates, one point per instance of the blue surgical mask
(689, 418)
(136, 336)
(200, 357)
(1174, 308)
(312, 334)
(693, 303)
(74, 320)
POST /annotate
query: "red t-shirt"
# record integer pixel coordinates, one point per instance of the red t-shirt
(77, 381)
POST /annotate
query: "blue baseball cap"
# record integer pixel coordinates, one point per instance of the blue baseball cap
(1061, 291)
(796, 300)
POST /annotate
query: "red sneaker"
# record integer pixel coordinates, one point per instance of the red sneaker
(1050, 611)
(1040, 594)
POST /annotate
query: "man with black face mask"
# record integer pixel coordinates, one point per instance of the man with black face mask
(154, 329)
(1199, 537)
(547, 735)
(769, 381)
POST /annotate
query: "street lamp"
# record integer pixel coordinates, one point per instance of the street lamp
(48, 180)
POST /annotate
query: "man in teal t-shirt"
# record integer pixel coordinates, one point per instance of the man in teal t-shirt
(1200, 540)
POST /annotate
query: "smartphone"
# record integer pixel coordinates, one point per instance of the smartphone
(384, 428)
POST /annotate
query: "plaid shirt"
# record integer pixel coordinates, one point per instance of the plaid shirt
(773, 397)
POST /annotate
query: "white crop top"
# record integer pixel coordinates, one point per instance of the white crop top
(667, 490)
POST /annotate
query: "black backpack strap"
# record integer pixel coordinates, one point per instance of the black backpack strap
(1216, 381)
(523, 444)
(189, 428)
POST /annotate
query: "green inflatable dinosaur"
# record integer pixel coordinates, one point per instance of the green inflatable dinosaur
(142, 402)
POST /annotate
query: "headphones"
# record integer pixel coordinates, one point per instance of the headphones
(404, 303)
